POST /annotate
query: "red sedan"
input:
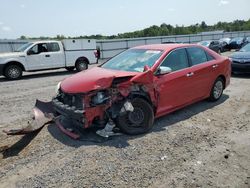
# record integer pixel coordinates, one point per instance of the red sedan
(141, 84)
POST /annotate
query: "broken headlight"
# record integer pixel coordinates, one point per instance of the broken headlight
(100, 98)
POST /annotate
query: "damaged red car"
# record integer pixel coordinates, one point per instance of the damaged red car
(141, 84)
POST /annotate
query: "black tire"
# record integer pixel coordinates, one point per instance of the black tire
(143, 114)
(69, 68)
(13, 72)
(81, 65)
(217, 90)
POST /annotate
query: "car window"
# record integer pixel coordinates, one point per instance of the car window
(216, 42)
(209, 57)
(196, 55)
(53, 47)
(176, 60)
(39, 48)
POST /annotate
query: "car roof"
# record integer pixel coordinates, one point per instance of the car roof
(44, 41)
(165, 47)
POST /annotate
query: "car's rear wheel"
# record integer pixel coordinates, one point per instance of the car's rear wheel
(139, 121)
(217, 89)
(81, 65)
(13, 72)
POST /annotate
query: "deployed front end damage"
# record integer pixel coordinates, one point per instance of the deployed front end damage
(98, 108)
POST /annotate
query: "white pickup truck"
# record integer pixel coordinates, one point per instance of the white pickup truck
(45, 55)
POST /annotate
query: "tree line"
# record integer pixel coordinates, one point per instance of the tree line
(165, 30)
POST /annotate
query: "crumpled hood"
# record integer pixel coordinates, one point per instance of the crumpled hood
(11, 54)
(240, 55)
(92, 79)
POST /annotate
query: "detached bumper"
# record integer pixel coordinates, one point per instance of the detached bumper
(244, 68)
(69, 132)
(43, 113)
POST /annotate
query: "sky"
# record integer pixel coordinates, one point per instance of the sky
(35, 18)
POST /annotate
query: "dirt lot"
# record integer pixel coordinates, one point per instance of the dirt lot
(203, 145)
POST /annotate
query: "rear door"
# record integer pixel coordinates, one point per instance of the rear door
(204, 69)
(56, 55)
(174, 88)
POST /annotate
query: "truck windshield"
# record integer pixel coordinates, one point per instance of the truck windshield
(24, 47)
(133, 60)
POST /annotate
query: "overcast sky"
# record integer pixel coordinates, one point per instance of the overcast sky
(35, 18)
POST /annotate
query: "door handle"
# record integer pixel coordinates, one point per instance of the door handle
(47, 55)
(214, 66)
(190, 74)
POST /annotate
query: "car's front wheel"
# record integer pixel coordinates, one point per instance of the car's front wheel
(13, 72)
(217, 90)
(138, 121)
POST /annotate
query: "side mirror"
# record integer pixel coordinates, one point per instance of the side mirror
(146, 68)
(163, 70)
(30, 52)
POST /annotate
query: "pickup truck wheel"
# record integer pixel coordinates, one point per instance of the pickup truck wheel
(139, 121)
(81, 64)
(69, 68)
(217, 90)
(13, 72)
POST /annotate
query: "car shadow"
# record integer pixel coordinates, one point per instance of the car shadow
(40, 75)
(16, 148)
(186, 113)
(90, 138)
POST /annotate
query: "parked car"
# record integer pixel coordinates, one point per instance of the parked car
(139, 85)
(44, 55)
(212, 44)
(237, 43)
(241, 60)
(224, 44)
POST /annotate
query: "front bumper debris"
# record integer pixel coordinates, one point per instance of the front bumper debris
(46, 112)
(68, 111)
(43, 113)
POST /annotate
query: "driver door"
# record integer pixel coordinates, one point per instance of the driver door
(174, 88)
(37, 57)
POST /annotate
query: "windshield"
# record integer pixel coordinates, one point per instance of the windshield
(204, 43)
(133, 60)
(237, 39)
(246, 48)
(24, 47)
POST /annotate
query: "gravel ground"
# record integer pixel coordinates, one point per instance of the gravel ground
(203, 145)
